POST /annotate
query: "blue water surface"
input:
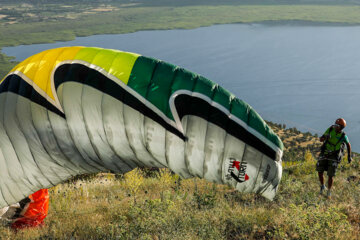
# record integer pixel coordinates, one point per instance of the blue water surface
(302, 76)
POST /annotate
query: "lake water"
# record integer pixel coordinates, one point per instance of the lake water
(303, 76)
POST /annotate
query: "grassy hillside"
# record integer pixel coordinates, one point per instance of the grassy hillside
(147, 204)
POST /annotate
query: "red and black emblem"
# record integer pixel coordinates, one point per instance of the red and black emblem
(237, 170)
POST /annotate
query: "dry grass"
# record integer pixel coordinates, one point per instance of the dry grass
(163, 207)
(146, 204)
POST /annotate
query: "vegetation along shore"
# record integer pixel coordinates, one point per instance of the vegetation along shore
(29, 22)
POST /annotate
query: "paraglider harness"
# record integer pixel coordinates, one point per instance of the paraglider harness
(335, 155)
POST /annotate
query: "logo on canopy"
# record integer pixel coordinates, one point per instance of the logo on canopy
(237, 170)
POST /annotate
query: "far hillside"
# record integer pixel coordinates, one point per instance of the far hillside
(190, 2)
(296, 143)
(45, 21)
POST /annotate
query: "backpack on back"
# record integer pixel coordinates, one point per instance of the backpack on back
(338, 154)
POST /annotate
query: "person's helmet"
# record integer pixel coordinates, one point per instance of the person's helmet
(341, 122)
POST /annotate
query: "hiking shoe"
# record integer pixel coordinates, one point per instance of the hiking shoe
(328, 193)
(322, 189)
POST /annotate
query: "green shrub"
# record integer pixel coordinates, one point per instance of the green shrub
(205, 200)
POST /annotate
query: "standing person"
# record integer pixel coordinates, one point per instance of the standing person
(332, 150)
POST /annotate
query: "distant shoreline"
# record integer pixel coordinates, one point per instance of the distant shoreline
(295, 23)
(60, 27)
(302, 23)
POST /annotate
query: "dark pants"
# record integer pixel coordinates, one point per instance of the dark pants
(327, 163)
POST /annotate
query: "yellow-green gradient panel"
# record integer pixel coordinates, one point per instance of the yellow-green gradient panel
(116, 63)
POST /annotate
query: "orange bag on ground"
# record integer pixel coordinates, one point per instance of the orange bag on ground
(36, 211)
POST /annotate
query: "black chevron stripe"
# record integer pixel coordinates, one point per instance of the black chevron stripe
(16, 84)
(79, 73)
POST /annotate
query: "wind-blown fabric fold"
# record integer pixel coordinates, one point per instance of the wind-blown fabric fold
(75, 110)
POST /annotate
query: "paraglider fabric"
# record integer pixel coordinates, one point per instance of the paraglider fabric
(75, 110)
(35, 212)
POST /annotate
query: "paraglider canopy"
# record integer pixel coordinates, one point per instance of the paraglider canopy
(76, 110)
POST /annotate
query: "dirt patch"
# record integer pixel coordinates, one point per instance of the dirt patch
(30, 15)
(129, 4)
(2, 16)
(107, 9)
(25, 5)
